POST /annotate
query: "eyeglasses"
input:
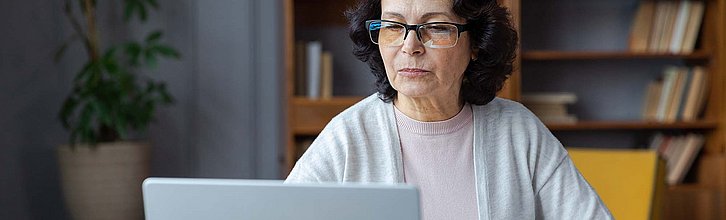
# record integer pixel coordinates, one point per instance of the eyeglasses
(432, 35)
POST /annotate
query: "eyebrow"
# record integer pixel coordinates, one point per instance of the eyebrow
(424, 16)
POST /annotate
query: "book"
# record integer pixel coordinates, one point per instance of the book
(693, 26)
(669, 78)
(551, 107)
(687, 153)
(702, 95)
(547, 109)
(640, 30)
(314, 51)
(560, 119)
(656, 141)
(679, 153)
(671, 10)
(674, 101)
(672, 149)
(652, 96)
(326, 86)
(679, 30)
(549, 98)
(300, 69)
(688, 78)
(656, 31)
(689, 106)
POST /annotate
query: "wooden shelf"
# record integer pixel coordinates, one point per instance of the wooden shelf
(613, 55)
(310, 116)
(321, 13)
(630, 125)
(692, 201)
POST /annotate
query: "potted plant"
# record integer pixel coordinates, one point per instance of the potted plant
(101, 170)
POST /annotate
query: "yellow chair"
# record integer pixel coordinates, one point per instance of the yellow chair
(630, 182)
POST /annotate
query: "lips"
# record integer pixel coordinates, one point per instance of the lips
(412, 72)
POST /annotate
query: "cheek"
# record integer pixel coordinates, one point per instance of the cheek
(455, 63)
(387, 57)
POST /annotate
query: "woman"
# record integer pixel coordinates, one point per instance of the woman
(435, 121)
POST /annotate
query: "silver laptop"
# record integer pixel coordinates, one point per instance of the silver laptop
(223, 199)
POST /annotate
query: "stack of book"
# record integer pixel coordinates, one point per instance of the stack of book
(313, 70)
(679, 152)
(679, 95)
(666, 26)
(551, 107)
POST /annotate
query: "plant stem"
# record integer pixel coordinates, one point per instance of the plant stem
(90, 12)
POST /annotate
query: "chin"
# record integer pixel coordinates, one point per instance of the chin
(415, 93)
(415, 89)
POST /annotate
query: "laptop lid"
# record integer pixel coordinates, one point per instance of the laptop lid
(227, 199)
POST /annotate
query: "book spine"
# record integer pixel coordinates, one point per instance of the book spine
(314, 51)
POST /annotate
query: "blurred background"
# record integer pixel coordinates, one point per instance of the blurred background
(227, 88)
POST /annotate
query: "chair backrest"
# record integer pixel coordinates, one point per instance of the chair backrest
(630, 182)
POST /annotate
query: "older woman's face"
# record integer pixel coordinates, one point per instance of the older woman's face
(418, 71)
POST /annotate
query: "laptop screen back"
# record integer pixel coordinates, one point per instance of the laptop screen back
(227, 199)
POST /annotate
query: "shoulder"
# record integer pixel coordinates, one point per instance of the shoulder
(509, 123)
(501, 110)
(369, 110)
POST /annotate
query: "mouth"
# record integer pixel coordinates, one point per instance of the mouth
(412, 72)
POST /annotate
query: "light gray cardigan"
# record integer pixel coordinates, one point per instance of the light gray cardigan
(522, 171)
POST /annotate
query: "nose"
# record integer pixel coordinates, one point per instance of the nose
(412, 45)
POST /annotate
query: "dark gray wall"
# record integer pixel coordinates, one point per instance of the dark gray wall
(226, 122)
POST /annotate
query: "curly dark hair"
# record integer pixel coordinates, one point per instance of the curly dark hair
(491, 34)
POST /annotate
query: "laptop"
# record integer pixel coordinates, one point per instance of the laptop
(227, 199)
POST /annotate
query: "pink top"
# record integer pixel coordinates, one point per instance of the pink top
(438, 158)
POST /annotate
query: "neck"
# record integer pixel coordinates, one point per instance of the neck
(428, 109)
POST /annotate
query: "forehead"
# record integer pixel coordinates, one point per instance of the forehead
(415, 9)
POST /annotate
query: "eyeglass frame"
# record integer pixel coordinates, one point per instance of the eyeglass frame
(416, 27)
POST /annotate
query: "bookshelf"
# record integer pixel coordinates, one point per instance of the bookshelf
(585, 41)
(306, 117)
(631, 125)
(609, 55)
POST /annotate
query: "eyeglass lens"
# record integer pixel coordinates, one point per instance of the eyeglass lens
(431, 35)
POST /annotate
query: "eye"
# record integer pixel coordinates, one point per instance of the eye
(392, 27)
(439, 28)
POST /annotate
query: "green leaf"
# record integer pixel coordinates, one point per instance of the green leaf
(84, 123)
(83, 75)
(129, 9)
(154, 36)
(133, 50)
(109, 62)
(153, 4)
(102, 112)
(69, 106)
(165, 96)
(142, 12)
(166, 51)
(121, 129)
(150, 58)
(109, 53)
(62, 49)
(134, 7)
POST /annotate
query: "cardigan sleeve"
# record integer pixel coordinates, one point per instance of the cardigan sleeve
(321, 162)
(567, 195)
